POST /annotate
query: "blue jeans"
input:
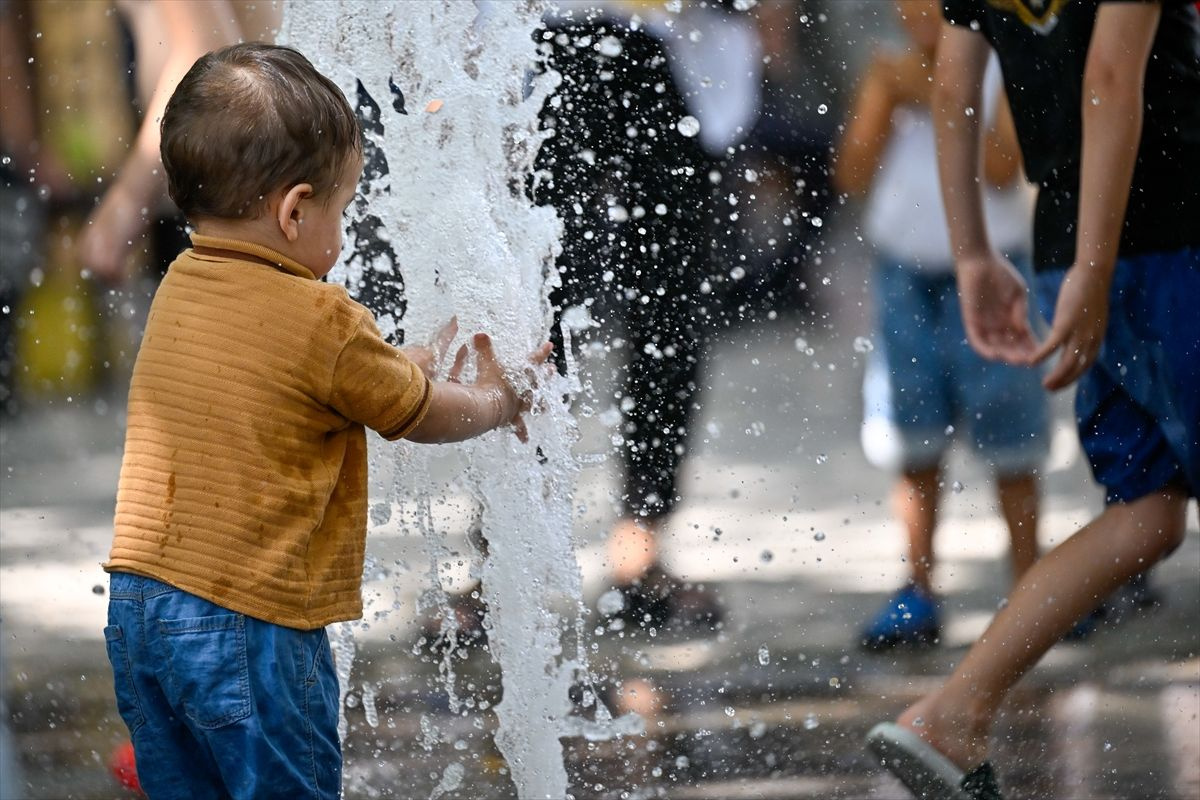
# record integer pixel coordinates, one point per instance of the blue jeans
(924, 378)
(1138, 407)
(221, 705)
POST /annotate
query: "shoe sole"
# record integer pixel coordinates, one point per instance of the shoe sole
(920, 641)
(926, 773)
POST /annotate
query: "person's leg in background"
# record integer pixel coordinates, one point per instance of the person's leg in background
(1057, 591)
(1020, 503)
(908, 429)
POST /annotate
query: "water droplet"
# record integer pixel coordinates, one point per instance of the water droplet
(969, 111)
(1108, 746)
(764, 655)
(819, 536)
(957, 487)
(766, 556)
(863, 345)
(610, 603)
(822, 458)
(822, 109)
(758, 730)
(811, 723)
(609, 46)
(689, 126)
(730, 711)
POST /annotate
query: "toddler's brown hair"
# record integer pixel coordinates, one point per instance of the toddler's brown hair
(247, 120)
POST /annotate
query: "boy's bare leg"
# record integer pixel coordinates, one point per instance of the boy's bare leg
(1018, 496)
(632, 549)
(1049, 598)
(915, 500)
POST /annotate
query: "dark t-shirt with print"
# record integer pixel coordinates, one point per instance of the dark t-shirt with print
(1042, 47)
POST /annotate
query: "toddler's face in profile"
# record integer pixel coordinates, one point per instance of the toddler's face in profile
(321, 224)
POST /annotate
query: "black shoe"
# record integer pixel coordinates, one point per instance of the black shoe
(469, 611)
(661, 601)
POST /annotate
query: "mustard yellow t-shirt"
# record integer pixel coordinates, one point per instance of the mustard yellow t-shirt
(244, 478)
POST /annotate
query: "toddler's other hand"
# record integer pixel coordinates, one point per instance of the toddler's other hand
(429, 358)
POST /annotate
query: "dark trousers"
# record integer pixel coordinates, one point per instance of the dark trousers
(634, 197)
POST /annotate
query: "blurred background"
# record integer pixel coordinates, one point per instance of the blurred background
(783, 528)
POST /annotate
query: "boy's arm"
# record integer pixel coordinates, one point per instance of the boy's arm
(1002, 151)
(861, 147)
(193, 28)
(1112, 127)
(458, 412)
(993, 294)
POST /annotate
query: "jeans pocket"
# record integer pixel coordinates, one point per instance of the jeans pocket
(206, 658)
(128, 704)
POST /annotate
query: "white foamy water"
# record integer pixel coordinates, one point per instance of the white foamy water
(468, 242)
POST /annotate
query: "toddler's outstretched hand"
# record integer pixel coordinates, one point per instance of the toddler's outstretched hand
(490, 375)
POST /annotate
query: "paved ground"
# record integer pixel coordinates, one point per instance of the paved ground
(773, 707)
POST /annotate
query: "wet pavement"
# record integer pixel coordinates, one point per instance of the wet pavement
(783, 518)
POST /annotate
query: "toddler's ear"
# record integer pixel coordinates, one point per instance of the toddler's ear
(288, 213)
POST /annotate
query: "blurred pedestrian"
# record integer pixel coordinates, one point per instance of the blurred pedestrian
(923, 380)
(167, 38)
(1106, 99)
(650, 99)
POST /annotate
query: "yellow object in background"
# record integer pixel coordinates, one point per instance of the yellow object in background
(58, 329)
(78, 67)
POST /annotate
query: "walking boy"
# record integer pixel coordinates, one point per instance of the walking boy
(241, 512)
(1106, 98)
(924, 380)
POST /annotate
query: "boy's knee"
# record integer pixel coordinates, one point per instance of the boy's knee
(1167, 520)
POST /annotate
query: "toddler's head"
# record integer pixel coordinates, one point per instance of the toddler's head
(251, 122)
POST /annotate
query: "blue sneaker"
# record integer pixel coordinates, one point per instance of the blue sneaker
(909, 617)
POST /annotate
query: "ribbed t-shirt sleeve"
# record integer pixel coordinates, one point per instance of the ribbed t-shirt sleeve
(961, 12)
(376, 385)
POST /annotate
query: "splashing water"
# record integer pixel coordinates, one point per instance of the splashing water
(452, 107)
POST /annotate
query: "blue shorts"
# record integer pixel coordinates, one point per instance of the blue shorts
(221, 705)
(1138, 407)
(924, 378)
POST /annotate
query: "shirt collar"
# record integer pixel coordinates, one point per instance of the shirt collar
(254, 249)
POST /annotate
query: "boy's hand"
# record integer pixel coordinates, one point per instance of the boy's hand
(995, 309)
(1080, 318)
(489, 374)
(430, 358)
